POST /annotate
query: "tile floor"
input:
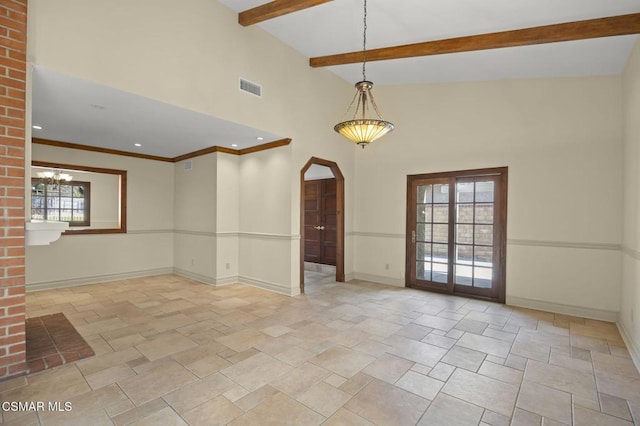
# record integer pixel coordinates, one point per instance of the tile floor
(172, 351)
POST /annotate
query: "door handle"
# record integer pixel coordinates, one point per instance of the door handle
(319, 228)
(413, 236)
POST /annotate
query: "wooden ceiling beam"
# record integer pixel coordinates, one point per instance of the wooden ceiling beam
(274, 9)
(569, 31)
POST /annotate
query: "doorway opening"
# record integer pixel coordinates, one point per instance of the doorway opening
(321, 222)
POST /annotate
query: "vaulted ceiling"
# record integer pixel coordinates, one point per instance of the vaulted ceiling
(576, 40)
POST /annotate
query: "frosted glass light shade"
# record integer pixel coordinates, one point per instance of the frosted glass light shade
(363, 131)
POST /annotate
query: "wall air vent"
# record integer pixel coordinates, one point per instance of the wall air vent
(250, 87)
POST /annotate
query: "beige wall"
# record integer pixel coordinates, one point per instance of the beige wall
(146, 248)
(562, 142)
(630, 305)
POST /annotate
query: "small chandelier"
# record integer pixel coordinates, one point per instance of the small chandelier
(54, 178)
(360, 129)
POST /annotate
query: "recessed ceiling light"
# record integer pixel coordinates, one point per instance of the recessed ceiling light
(260, 138)
(137, 144)
(235, 145)
(36, 127)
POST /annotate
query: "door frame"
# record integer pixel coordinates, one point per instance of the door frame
(339, 213)
(501, 238)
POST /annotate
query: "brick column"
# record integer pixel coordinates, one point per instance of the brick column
(13, 52)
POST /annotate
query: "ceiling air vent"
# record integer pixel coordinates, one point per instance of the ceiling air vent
(250, 87)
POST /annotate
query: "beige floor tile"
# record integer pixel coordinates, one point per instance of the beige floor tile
(441, 371)
(253, 399)
(109, 375)
(414, 331)
(419, 384)
(500, 335)
(243, 340)
(256, 371)
(484, 391)
(388, 368)
(140, 412)
(465, 358)
(495, 419)
(616, 385)
(196, 393)
(615, 406)
(525, 418)
(300, 379)
(158, 381)
(590, 343)
(614, 365)
(385, 404)
(485, 344)
(585, 417)
(446, 410)
(164, 345)
(324, 398)
(344, 417)
(436, 322)
(343, 361)
(217, 411)
(545, 401)
(531, 350)
(165, 416)
(561, 359)
(412, 350)
(440, 341)
(371, 347)
(378, 327)
(280, 410)
(111, 359)
(276, 330)
(500, 372)
(573, 381)
(356, 383)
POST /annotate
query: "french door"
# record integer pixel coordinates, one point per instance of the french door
(320, 221)
(456, 232)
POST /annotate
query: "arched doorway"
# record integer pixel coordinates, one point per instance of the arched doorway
(339, 215)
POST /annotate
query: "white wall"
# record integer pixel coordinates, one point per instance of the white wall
(630, 305)
(146, 248)
(562, 142)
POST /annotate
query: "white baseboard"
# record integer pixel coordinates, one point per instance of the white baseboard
(276, 288)
(195, 277)
(96, 279)
(558, 308)
(349, 277)
(396, 282)
(632, 345)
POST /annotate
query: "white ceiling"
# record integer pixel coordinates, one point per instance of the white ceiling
(73, 110)
(336, 27)
(78, 111)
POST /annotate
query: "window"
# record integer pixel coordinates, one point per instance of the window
(64, 202)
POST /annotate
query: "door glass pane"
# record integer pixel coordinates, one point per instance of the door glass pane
(463, 275)
(482, 277)
(484, 234)
(484, 213)
(464, 254)
(464, 213)
(424, 212)
(483, 256)
(484, 192)
(423, 251)
(441, 213)
(440, 233)
(423, 271)
(441, 193)
(423, 232)
(464, 192)
(424, 194)
(440, 253)
(464, 234)
(440, 272)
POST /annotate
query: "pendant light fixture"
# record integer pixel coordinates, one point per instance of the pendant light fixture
(360, 129)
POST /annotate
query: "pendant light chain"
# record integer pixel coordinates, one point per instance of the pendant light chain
(364, 43)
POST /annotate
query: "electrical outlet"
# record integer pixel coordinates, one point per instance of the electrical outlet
(193, 262)
(228, 266)
(386, 266)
